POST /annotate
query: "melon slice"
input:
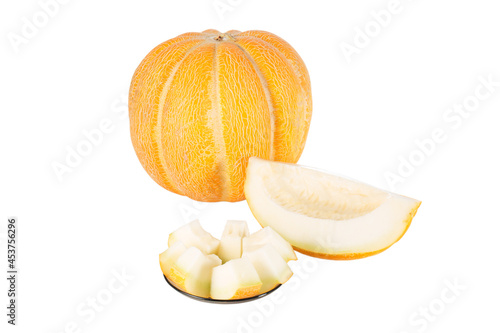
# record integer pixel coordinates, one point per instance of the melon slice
(234, 280)
(268, 236)
(192, 271)
(169, 256)
(270, 266)
(231, 240)
(323, 215)
(192, 234)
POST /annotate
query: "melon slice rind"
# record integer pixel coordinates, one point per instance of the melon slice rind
(325, 215)
(170, 255)
(192, 271)
(270, 266)
(235, 279)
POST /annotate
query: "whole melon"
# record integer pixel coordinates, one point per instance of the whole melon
(201, 104)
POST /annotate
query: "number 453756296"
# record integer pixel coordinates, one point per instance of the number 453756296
(11, 244)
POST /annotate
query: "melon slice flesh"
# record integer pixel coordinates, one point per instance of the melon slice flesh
(170, 255)
(192, 234)
(234, 280)
(231, 240)
(270, 266)
(324, 215)
(192, 271)
(268, 236)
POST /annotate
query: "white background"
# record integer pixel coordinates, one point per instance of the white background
(107, 215)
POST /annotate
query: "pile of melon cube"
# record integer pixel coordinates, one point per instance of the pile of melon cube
(237, 266)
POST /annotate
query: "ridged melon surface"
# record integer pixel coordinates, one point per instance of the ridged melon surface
(201, 104)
